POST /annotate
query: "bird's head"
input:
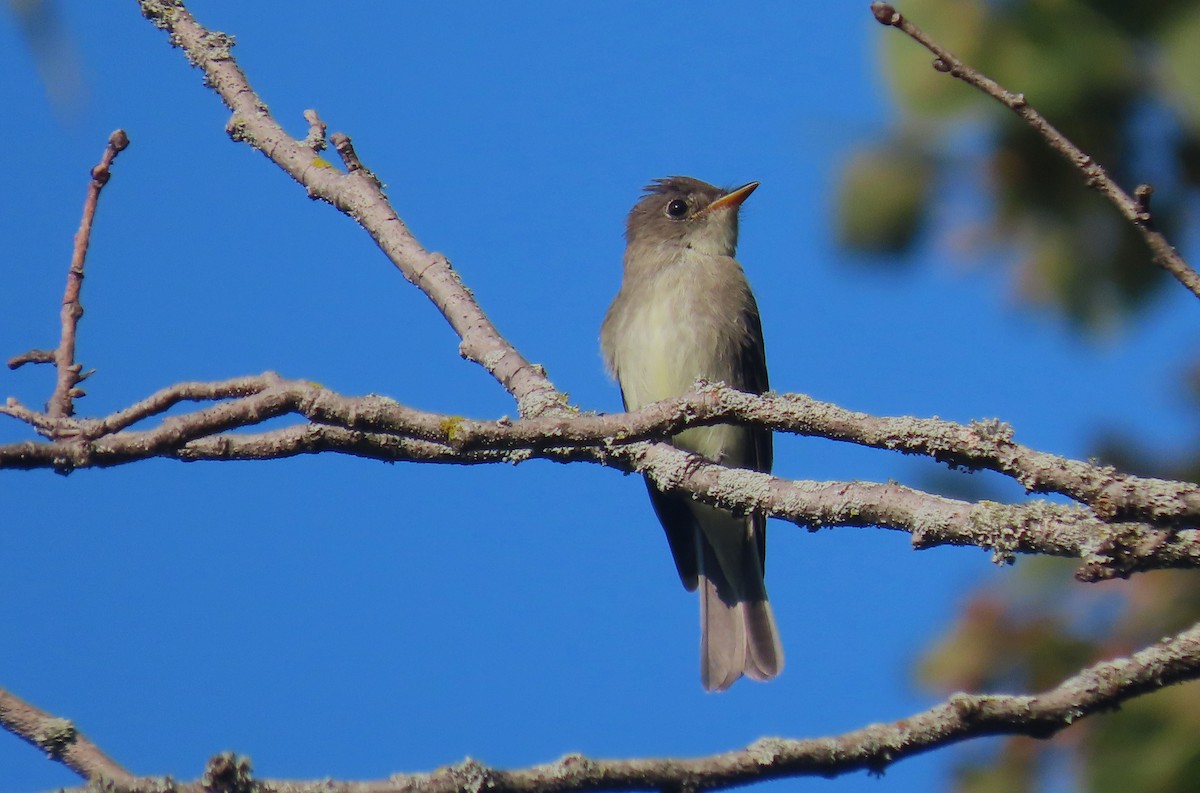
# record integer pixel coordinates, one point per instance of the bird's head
(688, 213)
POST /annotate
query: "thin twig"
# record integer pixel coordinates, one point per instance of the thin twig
(33, 356)
(1135, 211)
(70, 374)
(59, 739)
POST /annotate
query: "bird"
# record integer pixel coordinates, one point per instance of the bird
(685, 312)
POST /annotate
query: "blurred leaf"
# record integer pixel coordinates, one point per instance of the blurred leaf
(1092, 270)
(1181, 48)
(1084, 64)
(1014, 768)
(1015, 644)
(1149, 747)
(1059, 54)
(1037, 630)
(1142, 19)
(909, 69)
(882, 199)
(1090, 66)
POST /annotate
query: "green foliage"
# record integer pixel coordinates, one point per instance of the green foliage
(1042, 627)
(883, 197)
(1120, 79)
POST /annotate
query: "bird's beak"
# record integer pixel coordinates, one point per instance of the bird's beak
(732, 199)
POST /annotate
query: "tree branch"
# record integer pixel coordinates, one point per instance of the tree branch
(70, 374)
(59, 739)
(874, 748)
(1119, 542)
(358, 194)
(1135, 208)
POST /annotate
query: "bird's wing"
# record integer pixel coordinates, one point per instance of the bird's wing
(679, 526)
(754, 365)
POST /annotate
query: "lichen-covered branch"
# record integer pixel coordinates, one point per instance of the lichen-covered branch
(59, 739)
(1115, 542)
(1097, 688)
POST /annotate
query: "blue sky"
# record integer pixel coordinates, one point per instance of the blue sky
(344, 618)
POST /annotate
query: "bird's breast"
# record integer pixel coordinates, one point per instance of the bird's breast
(683, 322)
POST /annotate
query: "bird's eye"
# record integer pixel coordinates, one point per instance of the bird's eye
(677, 208)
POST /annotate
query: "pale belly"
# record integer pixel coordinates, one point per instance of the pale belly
(678, 344)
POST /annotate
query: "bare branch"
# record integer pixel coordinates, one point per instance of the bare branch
(359, 195)
(1119, 542)
(59, 739)
(963, 716)
(1135, 209)
(33, 356)
(70, 373)
(1108, 550)
(981, 445)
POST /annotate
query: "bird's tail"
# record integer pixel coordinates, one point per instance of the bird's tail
(737, 627)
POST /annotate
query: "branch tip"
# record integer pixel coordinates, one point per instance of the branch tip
(315, 139)
(118, 141)
(33, 356)
(1141, 197)
(60, 405)
(886, 14)
(345, 149)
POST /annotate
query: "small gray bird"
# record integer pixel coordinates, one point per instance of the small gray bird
(685, 311)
